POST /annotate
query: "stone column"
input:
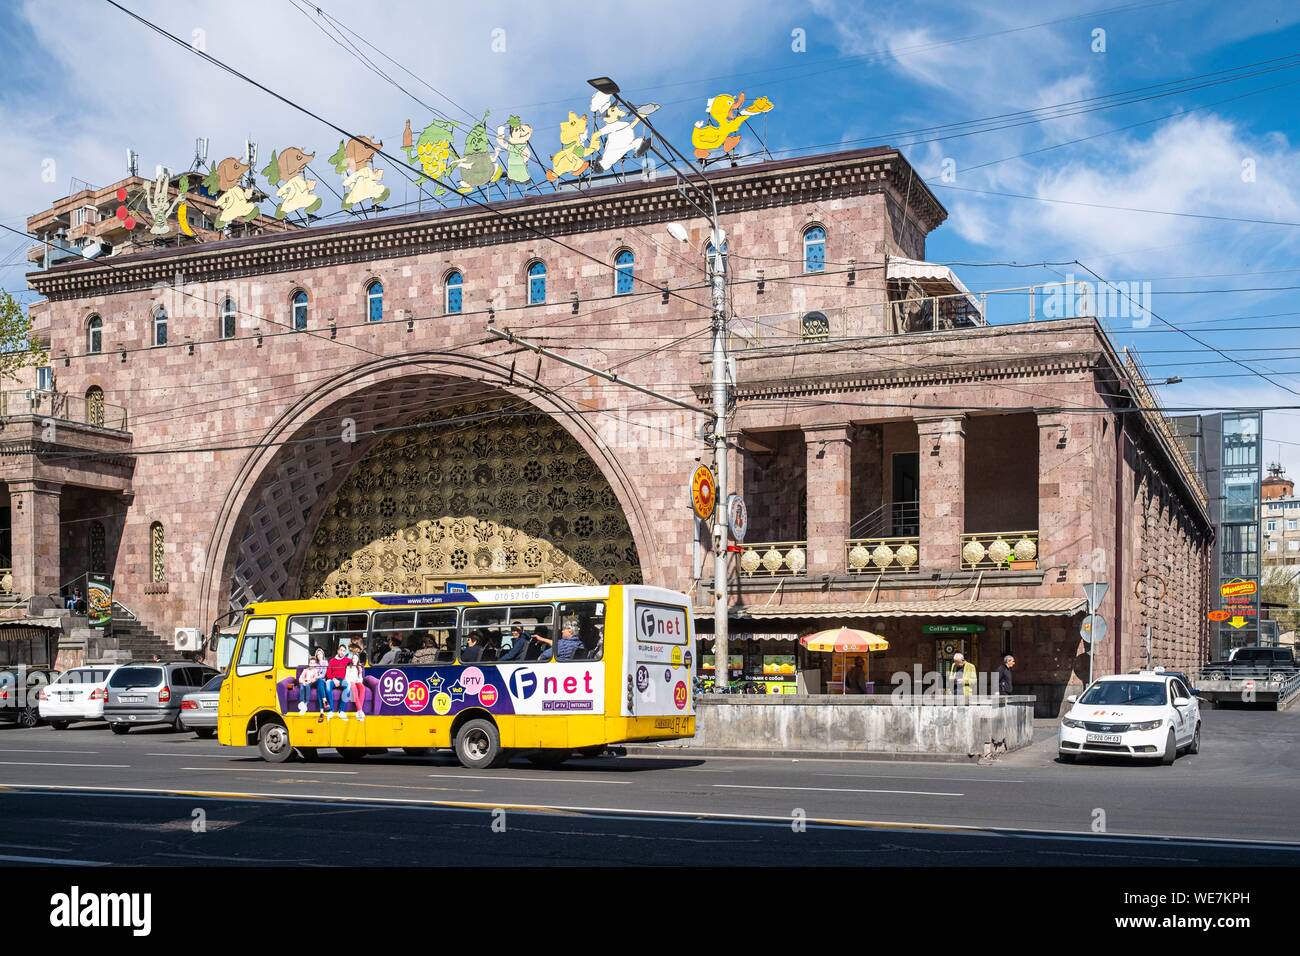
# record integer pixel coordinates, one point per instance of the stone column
(1067, 462)
(943, 491)
(34, 513)
(830, 470)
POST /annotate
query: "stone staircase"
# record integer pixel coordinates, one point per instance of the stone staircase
(135, 642)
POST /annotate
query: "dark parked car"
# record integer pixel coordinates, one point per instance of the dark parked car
(1262, 663)
(140, 695)
(18, 689)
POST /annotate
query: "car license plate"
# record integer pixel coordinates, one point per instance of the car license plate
(1103, 738)
(132, 698)
(208, 704)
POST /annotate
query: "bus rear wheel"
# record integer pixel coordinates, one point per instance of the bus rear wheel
(478, 745)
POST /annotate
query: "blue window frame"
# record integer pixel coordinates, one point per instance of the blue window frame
(537, 283)
(454, 289)
(299, 310)
(624, 264)
(814, 249)
(375, 301)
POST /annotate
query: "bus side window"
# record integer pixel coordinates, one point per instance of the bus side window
(585, 620)
(434, 640)
(488, 624)
(257, 652)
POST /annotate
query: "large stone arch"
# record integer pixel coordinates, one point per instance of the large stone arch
(259, 540)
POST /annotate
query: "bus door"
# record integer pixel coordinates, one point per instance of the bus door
(253, 687)
(658, 664)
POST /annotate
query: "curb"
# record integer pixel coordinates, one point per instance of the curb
(646, 751)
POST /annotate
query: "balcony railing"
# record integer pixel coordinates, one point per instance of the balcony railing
(1000, 550)
(771, 559)
(43, 403)
(880, 555)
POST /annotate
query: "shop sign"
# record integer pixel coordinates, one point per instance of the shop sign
(1237, 588)
(952, 628)
(1218, 615)
(703, 493)
(737, 516)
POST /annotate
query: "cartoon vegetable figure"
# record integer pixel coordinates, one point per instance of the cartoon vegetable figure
(432, 151)
(478, 167)
(158, 199)
(286, 171)
(515, 144)
(571, 160)
(728, 114)
(234, 200)
(360, 180)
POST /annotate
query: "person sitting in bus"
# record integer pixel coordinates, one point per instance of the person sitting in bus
(518, 644)
(311, 673)
(539, 645)
(394, 653)
(336, 678)
(569, 647)
(428, 652)
(473, 650)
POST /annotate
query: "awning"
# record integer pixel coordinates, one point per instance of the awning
(52, 623)
(942, 607)
(930, 276)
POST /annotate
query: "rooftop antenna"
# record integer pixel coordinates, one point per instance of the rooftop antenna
(132, 162)
(250, 157)
(200, 153)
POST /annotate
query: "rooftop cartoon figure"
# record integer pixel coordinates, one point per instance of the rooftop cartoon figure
(431, 151)
(159, 202)
(618, 133)
(234, 200)
(572, 158)
(286, 171)
(361, 181)
(478, 166)
(513, 139)
(727, 114)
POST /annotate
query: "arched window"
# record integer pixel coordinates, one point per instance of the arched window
(299, 310)
(228, 312)
(454, 293)
(375, 301)
(95, 406)
(98, 547)
(814, 249)
(537, 283)
(160, 326)
(94, 335)
(157, 554)
(624, 264)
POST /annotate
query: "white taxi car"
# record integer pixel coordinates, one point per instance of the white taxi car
(78, 694)
(1145, 715)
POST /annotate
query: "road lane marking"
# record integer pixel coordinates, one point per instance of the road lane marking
(902, 776)
(398, 786)
(910, 793)
(686, 816)
(562, 779)
(6, 858)
(50, 750)
(46, 763)
(284, 770)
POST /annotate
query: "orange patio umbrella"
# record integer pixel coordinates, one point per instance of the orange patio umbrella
(844, 640)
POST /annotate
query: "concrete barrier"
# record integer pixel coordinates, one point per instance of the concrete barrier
(876, 724)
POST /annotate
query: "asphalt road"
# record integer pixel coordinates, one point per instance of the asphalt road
(86, 796)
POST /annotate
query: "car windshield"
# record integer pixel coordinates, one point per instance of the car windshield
(1128, 693)
(214, 684)
(80, 675)
(127, 677)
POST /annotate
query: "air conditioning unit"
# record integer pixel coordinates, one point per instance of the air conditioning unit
(188, 639)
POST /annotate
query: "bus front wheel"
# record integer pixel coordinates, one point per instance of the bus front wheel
(273, 743)
(478, 745)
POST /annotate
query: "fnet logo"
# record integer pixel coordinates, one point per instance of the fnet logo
(75, 909)
(523, 684)
(653, 623)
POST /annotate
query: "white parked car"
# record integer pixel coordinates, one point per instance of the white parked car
(78, 694)
(1150, 715)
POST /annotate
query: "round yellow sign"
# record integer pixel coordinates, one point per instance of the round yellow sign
(704, 493)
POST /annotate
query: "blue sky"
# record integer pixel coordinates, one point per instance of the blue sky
(83, 83)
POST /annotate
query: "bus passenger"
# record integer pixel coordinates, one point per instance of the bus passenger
(473, 651)
(568, 647)
(428, 652)
(539, 645)
(518, 642)
(394, 653)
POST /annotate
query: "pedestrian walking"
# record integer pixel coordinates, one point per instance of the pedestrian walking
(961, 676)
(1004, 675)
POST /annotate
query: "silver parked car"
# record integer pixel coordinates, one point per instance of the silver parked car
(141, 695)
(199, 709)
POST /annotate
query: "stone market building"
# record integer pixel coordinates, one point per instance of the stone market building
(321, 411)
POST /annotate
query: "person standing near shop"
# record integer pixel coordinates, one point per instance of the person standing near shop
(856, 680)
(1004, 675)
(961, 676)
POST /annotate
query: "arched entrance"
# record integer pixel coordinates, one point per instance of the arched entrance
(483, 493)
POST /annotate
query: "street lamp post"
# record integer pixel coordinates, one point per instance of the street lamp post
(717, 256)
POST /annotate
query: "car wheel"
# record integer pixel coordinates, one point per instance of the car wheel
(1195, 746)
(1216, 675)
(205, 733)
(120, 729)
(478, 745)
(273, 743)
(1171, 749)
(28, 718)
(59, 724)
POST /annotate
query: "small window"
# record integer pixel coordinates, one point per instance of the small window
(537, 283)
(94, 335)
(814, 327)
(45, 378)
(624, 266)
(375, 301)
(814, 249)
(228, 313)
(299, 311)
(157, 554)
(95, 406)
(581, 636)
(160, 326)
(454, 292)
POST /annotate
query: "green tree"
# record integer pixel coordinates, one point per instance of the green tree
(1281, 585)
(19, 349)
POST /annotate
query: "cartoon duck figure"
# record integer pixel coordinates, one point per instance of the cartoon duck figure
(234, 200)
(285, 171)
(513, 139)
(360, 180)
(479, 166)
(432, 151)
(618, 132)
(571, 160)
(728, 114)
